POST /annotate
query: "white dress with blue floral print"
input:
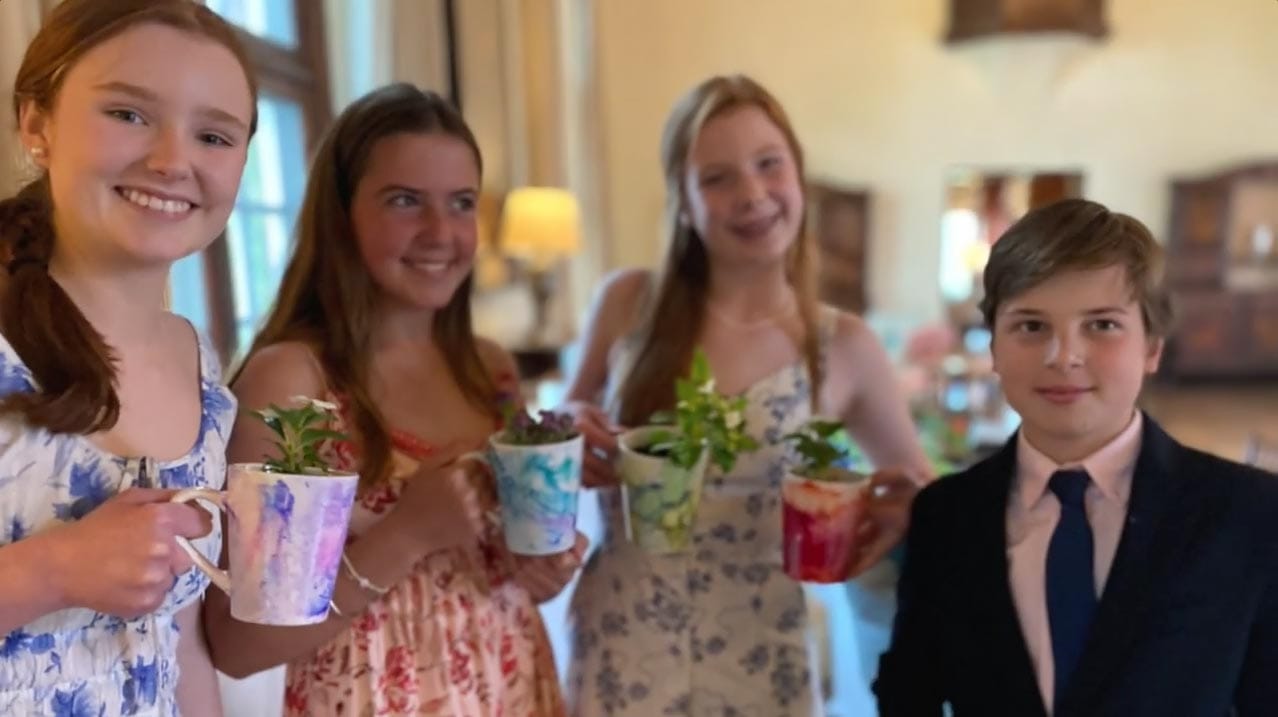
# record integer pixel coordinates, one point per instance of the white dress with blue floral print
(77, 662)
(720, 630)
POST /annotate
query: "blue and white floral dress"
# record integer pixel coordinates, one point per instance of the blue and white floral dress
(77, 662)
(720, 630)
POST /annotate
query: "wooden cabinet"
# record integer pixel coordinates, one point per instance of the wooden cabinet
(1225, 286)
(1262, 332)
(1197, 241)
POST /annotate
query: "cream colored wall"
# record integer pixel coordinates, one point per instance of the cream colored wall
(1180, 87)
(19, 21)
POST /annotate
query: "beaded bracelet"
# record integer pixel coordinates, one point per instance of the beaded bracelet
(364, 582)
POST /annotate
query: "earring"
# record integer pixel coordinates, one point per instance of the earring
(38, 152)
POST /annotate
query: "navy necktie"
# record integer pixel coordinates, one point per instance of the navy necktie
(1071, 586)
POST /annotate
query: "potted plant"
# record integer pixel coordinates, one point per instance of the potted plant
(537, 462)
(663, 465)
(287, 519)
(821, 503)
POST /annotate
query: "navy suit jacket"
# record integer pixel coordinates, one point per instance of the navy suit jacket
(1187, 625)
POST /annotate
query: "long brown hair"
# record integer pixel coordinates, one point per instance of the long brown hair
(327, 298)
(673, 315)
(69, 360)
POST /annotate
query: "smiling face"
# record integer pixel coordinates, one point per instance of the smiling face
(742, 188)
(145, 145)
(1072, 353)
(414, 216)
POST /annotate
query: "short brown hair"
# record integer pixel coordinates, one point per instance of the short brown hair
(1072, 235)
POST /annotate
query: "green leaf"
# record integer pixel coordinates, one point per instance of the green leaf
(825, 429)
(701, 417)
(816, 445)
(685, 392)
(274, 424)
(725, 459)
(661, 436)
(700, 370)
(662, 418)
(319, 435)
(300, 431)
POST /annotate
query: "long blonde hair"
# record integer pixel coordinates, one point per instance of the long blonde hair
(673, 315)
(327, 297)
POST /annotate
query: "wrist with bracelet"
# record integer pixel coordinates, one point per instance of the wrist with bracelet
(364, 584)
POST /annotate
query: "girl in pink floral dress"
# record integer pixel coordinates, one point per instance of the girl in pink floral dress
(430, 614)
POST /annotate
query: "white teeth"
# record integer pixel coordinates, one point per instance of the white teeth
(432, 267)
(170, 206)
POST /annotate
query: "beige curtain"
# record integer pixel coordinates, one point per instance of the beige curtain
(371, 43)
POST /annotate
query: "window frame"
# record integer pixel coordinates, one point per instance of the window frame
(298, 74)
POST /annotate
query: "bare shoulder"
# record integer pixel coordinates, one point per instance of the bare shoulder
(852, 338)
(630, 282)
(279, 371)
(497, 360)
(617, 305)
(624, 290)
(857, 357)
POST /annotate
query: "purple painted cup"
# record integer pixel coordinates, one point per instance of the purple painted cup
(285, 536)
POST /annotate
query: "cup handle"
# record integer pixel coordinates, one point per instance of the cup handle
(483, 457)
(488, 459)
(220, 577)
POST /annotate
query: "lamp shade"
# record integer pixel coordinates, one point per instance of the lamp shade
(541, 224)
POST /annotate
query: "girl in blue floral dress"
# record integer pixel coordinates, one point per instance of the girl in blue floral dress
(137, 115)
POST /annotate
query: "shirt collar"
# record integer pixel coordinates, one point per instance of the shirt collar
(1110, 467)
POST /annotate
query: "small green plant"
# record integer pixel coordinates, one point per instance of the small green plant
(548, 427)
(300, 431)
(819, 452)
(703, 420)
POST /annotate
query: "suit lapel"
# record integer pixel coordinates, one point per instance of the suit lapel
(996, 609)
(1143, 549)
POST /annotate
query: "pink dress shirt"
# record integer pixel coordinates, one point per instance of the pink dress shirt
(1032, 513)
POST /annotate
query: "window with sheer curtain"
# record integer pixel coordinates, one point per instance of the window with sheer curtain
(228, 288)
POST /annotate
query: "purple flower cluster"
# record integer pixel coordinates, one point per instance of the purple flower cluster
(549, 427)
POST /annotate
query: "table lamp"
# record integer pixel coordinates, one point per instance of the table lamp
(541, 226)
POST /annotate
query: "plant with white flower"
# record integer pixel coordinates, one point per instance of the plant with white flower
(703, 420)
(300, 431)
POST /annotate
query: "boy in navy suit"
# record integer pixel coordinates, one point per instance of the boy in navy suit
(1094, 566)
